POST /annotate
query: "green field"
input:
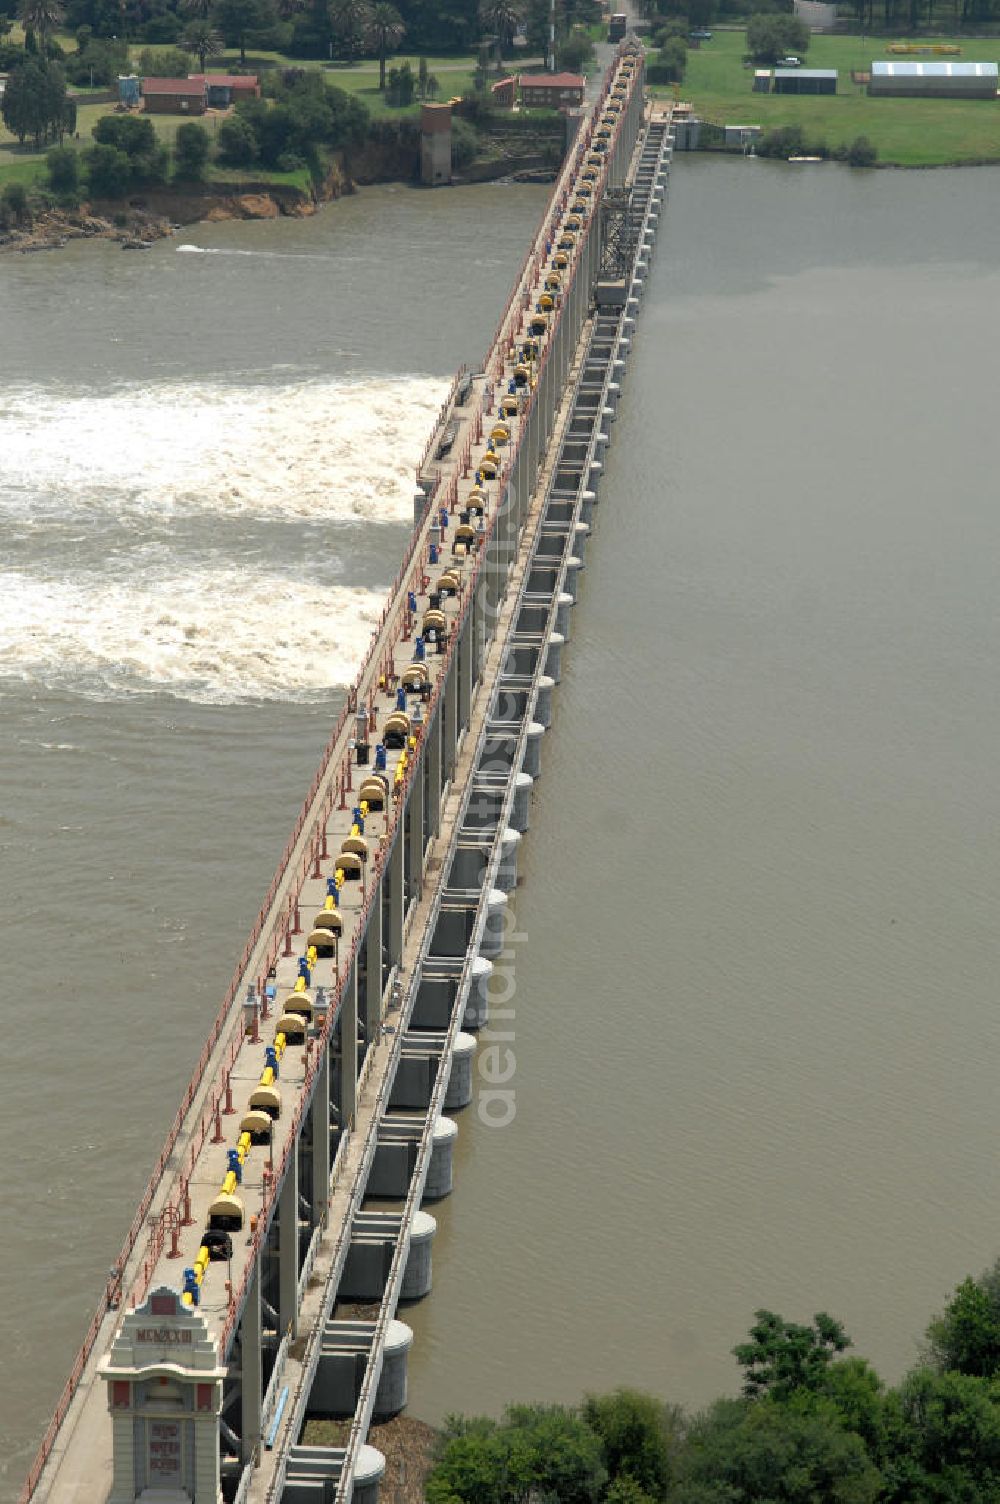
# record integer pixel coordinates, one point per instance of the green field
(907, 132)
(454, 76)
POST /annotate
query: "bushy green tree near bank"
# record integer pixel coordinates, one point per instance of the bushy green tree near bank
(813, 1426)
(192, 146)
(34, 102)
(771, 37)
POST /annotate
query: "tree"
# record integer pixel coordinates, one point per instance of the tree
(671, 61)
(201, 38)
(14, 202)
(237, 142)
(625, 1490)
(402, 86)
(237, 19)
(109, 171)
(575, 52)
(386, 31)
(636, 1434)
(771, 37)
(41, 17)
(536, 1452)
(63, 166)
(464, 142)
(197, 10)
(501, 18)
(943, 1440)
(133, 135)
(966, 1336)
(191, 148)
(349, 21)
(164, 62)
(101, 60)
(782, 1356)
(740, 1452)
(34, 101)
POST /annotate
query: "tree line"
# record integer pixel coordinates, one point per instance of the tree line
(328, 29)
(814, 1425)
(885, 15)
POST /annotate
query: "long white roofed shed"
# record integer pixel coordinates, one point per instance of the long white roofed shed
(935, 79)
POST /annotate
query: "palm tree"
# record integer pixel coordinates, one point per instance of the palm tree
(385, 31)
(501, 19)
(349, 19)
(201, 38)
(41, 17)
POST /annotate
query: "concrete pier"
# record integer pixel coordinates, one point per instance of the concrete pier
(342, 1038)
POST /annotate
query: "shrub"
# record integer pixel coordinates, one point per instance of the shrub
(576, 52)
(464, 143)
(164, 62)
(401, 87)
(861, 152)
(109, 171)
(162, 30)
(191, 148)
(101, 59)
(783, 141)
(63, 166)
(132, 134)
(15, 201)
(237, 142)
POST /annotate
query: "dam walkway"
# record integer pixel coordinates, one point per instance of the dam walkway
(288, 1195)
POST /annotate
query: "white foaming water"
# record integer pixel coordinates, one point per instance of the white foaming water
(214, 635)
(315, 450)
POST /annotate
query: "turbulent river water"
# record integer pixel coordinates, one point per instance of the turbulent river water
(754, 1020)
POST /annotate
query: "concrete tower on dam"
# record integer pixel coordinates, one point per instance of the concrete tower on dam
(294, 1183)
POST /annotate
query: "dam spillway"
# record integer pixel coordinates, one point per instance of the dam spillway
(347, 1035)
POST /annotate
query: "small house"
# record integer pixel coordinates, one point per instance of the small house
(225, 89)
(805, 80)
(551, 91)
(174, 96)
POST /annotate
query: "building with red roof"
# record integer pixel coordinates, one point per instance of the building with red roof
(551, 91)
(174, 96)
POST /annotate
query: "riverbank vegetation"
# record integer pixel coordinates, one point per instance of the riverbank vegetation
(64, 58)
(903, 132)
(814, 1425)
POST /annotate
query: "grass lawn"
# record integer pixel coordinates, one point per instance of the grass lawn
(907, 132)
(22, 164)
(362, 80)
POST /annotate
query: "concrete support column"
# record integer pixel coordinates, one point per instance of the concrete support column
(465, 675)
(476, 637)
(251, 1369)
(416, 836)
(288, 1248)
(396, 898)
(373, 968)
(450, 721)
(321, 1141)
(432, 756)
(347, 1104)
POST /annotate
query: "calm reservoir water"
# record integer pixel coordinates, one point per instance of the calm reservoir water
(755, 1029)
